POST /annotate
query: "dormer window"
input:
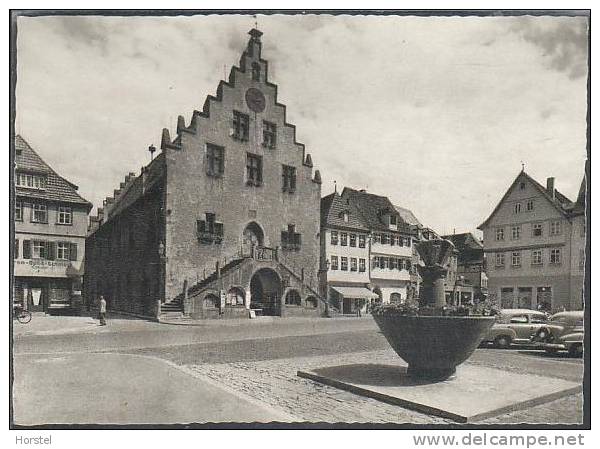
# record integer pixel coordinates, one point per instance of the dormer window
(31, 181)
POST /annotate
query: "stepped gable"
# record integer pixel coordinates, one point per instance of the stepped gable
(57, 188)
(371, 207)
(254, 42)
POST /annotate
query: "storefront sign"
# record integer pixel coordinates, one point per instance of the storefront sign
(42, 267)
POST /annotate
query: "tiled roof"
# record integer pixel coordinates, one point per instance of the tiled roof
(332, 209)
(408, 216)
(57, 188)
(470, 250)
(371, 208)
(563, 204)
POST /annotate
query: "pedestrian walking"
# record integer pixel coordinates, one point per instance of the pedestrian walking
(102, 311)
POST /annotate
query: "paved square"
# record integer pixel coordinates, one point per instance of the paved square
(475, 393)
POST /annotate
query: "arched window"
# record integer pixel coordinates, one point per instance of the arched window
(292, 298)
(255, 72)
(211, 301)
(311, 302)
(235, 297)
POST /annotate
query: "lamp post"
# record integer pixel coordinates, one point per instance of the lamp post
(161, 277)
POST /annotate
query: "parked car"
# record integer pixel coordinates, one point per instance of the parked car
(516, 326)
(563, 332)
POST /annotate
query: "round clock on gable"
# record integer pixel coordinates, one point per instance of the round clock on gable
(255, 100)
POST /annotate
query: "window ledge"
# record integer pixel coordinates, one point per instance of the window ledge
(63, 224)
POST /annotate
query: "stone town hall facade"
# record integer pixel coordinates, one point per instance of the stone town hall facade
(217, 224)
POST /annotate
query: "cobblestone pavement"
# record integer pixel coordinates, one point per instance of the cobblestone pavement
(275, 383)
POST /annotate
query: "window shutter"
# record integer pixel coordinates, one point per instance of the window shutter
(219, 229)
(50, 250)
(297, 239)
(26, 249)
(73, 251)
(16, 248)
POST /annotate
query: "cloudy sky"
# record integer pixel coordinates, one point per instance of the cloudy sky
(436, 113)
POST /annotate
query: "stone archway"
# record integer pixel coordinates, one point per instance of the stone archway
(252, 236)
(265, 292)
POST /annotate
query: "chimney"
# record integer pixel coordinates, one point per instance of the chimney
(550, 187)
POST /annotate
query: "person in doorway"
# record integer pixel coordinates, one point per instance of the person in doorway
(102, 311)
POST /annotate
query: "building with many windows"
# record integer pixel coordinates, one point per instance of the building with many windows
(223, 222)
(534, 243)
(50, 230)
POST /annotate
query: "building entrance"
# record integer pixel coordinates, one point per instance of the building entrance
(265, 290)
(252, 237)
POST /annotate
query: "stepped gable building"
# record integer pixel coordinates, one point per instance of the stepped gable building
(224, 221)
(391, 247)
(345, 248)
(50, 228)
(534, 242)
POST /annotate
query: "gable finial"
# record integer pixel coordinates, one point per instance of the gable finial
(522, 166)
(334, 186)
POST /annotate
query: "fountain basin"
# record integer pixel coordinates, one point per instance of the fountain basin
(433, 346)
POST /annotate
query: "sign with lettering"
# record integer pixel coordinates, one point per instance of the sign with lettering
(46, 268)
(263, 254)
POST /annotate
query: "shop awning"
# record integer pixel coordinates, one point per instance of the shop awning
(355, 292)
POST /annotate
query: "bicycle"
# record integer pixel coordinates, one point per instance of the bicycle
(23, 316)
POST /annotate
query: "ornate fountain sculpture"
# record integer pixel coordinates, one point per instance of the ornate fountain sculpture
(433, 342)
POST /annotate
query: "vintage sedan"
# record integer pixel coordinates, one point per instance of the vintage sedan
(515, 326)
(563, 332)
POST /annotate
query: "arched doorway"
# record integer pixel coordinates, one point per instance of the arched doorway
(253, 235)
(265, 291)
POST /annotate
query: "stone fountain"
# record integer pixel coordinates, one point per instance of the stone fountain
(431, 341)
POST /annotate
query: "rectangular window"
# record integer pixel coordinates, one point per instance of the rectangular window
(31, 181)
(529, 205)
(241, 125)
(516, 259)
(334, 237)
(362, 265)
(209, 230)
(361, 241)
(394, 263)
(499, 234)
(290, 239)
(555, 228)
(376, 238)
(344, 264)
(62, 251)
(288, 179)
(555, 256)
(38, 249)
(536, 257)
(538, 229)
(269, 134)
(353, 240)
(385, 239)
(376, 262)
(18, 211)
(517, 208)
(384, 262)
(65, 215)
(353, 264)
(253, 169)
(344, 239)
(39, 213)
(500, 259)
(516, 232)
(215, 160)
(408, 241)
(334, 262)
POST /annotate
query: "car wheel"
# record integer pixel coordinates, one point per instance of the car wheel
(576, 350)
(502, 342)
